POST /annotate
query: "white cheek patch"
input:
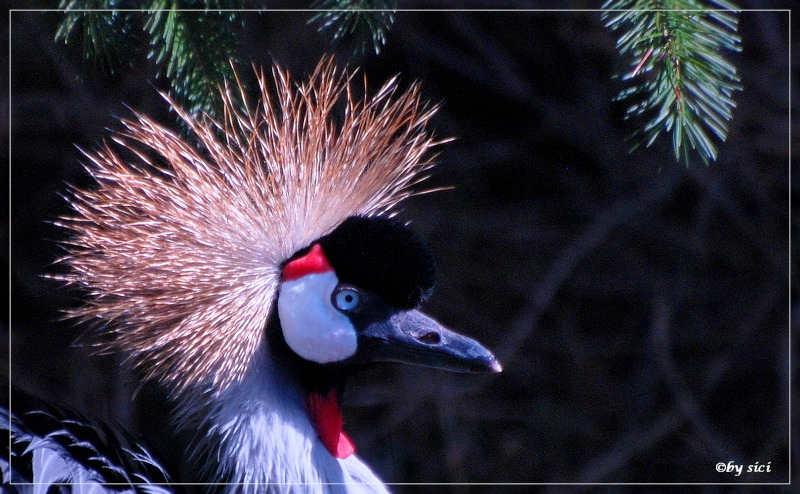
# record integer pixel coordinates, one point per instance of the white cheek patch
(312, 327)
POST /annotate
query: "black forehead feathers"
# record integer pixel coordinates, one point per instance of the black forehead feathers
(383, 256)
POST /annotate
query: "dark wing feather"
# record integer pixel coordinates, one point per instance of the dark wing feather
(50, 445)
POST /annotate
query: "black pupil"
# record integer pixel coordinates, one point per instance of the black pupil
(348, 298)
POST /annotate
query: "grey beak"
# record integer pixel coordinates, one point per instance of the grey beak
(411, 337)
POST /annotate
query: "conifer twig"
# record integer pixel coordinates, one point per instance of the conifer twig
(362, 21)
(107, 33)
(193, 42)
(679, 79)
(195, 49)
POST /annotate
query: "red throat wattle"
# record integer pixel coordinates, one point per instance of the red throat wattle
(323, 409)
(327, 419)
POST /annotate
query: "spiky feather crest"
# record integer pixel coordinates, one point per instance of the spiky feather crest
(179, 247)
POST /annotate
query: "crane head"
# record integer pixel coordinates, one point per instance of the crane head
(354, 297)
(188, 247)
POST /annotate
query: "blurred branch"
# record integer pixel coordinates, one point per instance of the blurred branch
(726, 202)
(595, 234)
(638, 440)
(716, 443)
(633, 443)
(79, 97)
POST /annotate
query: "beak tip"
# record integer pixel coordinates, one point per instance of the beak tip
(495, 367)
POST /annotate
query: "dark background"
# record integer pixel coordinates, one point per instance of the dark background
(640, 308)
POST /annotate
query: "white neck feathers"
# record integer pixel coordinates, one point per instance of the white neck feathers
(267, 442)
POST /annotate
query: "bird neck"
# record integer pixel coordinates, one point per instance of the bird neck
(321, 387)
(282, 424)
(259, 431)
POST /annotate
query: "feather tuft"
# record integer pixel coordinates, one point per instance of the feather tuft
(180, 244)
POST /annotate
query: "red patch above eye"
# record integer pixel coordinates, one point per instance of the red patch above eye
(313, 262)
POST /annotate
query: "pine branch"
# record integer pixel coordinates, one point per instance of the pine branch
(349, 20)
(193, 49)
(678, 80)
(106, 36)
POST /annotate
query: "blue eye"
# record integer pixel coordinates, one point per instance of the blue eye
(346, 299)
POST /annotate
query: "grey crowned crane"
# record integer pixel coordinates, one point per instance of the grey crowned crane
(250, 274)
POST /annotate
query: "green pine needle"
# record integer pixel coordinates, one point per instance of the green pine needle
(193, 49)
(107, 35)
(678, 79)
(362, 21)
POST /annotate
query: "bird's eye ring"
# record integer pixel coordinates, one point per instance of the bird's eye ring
(346, 299)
